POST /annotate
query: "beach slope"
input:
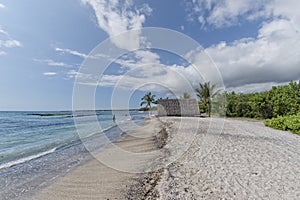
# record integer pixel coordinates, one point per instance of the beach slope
(113, 178)
(202, 158)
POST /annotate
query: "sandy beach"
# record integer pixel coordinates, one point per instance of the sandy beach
(245, 161)
(95, 180)
(200, 160)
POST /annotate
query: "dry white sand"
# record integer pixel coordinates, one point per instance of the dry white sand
(202, 159)
(246, 161)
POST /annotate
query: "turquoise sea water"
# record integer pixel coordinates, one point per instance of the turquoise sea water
(36, 148)
(28, 135)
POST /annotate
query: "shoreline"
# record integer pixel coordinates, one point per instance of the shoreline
(95, 180)
(145, 186)
(20, 180)
(242, 159)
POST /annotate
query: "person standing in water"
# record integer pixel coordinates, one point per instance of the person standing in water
(114, 118)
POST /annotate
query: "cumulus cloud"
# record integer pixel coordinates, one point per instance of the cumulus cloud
(49, 73)
(141, 66)
(273, 57)
(2, 6)
(224, 13)
(158, 78)
(116, 17)
(288, 9)
(247, 64)
(144, 67)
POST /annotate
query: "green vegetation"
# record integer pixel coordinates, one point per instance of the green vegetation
(279, 101)
(286, 123)
(148, 99)
(206, 92)
(185, 96)
(280, 106)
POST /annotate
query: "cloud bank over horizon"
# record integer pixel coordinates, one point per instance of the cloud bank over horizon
(273, 57)
(270, 58)
(254, 45)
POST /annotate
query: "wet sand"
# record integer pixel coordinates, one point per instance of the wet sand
(95, 180)
(202, 158)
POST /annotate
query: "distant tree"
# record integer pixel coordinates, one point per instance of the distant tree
(147, 100)
(185, 96)
(206, 92)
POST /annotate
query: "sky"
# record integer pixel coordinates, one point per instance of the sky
(50, 50)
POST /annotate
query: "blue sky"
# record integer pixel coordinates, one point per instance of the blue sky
(253, 44)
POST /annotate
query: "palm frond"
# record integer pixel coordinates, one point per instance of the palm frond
(143, 102)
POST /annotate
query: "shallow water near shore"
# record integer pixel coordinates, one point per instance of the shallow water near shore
(36, 149)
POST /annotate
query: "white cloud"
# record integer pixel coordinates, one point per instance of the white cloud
(8, 41)
(78, 54)
(288, 9)
(49, 73)
(58, 64)
(222, 13)
(116, 17)
(52, 63)
(2, 6)
(2, 53)
(72, 52)
(274, 56)
(82, 76)
(147, 57)
(160, 77)
(142, 65)
(255, 87)
(2, 31)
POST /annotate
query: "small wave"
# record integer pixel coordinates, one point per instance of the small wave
(22, 160)
(97, 132)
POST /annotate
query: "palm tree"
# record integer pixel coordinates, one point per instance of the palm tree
(206, 92)
(185, 96)
(148, 99)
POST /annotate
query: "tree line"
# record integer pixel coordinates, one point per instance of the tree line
(279, 107)
(279, 101)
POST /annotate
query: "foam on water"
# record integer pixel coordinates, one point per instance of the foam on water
(25, 159)
(29, 135)
(36, 149)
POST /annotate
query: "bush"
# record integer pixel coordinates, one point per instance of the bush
(279, 101)
(287, 123)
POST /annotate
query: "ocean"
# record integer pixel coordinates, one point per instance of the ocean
(37, 147)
